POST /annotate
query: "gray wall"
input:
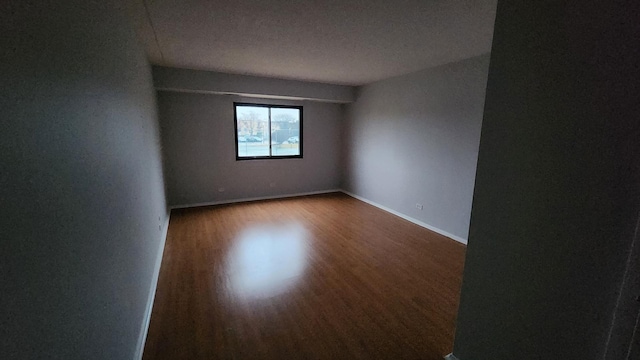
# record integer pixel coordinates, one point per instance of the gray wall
(414, 139)
(81, 182)
(198, 139)
(557, 191)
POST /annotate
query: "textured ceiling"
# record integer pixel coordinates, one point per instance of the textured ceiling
(351, 42)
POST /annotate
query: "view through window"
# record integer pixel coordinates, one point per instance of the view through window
(268, 131)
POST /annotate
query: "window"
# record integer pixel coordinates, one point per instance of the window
(268, 131)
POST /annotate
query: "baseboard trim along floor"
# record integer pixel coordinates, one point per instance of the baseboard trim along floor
(335, 281)
(408, 218)
(233, 201)
(283, 196)
(152, 292)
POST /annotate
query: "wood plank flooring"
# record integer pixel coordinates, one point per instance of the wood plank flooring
(317, 277)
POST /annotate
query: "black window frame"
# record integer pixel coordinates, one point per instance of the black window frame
(270, 106)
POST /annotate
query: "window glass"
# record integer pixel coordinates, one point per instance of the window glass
(268, 131)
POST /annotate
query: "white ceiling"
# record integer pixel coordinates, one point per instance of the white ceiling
(351, 42)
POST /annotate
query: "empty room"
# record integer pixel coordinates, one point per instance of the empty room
(319, 180)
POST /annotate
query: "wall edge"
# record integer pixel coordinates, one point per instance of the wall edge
(409, 218)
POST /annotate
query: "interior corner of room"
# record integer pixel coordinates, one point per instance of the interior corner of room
(510, 127)
(339, 131)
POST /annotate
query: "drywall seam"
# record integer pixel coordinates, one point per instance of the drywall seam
(152, 292)
(153, 28)
(633, 336)
(622, 292)
(233, 201)
(408, 218)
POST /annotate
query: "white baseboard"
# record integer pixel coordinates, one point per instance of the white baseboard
(152, 292)
(408, 218)
(156, 271)
(233, 201)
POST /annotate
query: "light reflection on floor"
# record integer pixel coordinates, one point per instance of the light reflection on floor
(267, 259)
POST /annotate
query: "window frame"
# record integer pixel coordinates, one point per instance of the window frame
(269, 106)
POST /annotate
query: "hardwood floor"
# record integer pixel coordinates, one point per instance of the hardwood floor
(317, 277)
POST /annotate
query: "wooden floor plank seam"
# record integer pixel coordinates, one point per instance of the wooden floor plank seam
(315, 277)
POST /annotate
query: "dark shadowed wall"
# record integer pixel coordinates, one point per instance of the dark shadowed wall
(81, 186)
(557, 190)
